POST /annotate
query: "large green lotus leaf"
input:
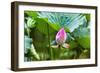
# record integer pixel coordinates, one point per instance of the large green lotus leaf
(42, 25)
(41, 43)
(83, 37)
(45, 27)
(40, 40)
(55, 26)
(84, 42)
(69, 21)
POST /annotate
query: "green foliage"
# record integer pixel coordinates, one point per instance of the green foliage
(30, 22)
(41, 28)
(83, 35)
(31, 13)
(69, 21)
(87, 17)
(43, 24)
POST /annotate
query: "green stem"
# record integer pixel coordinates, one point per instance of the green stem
(51, 50)
(59, 51)
(28, 32)
(51, 53)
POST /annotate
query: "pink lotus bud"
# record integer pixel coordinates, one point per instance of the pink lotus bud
(61, 36)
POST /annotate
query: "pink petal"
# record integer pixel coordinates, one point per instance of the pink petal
(61, 36)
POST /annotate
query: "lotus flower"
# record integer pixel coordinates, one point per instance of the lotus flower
(61, 37)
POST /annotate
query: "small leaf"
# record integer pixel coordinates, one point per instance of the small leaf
(65, 45)
(30, 22)
(34, 52)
